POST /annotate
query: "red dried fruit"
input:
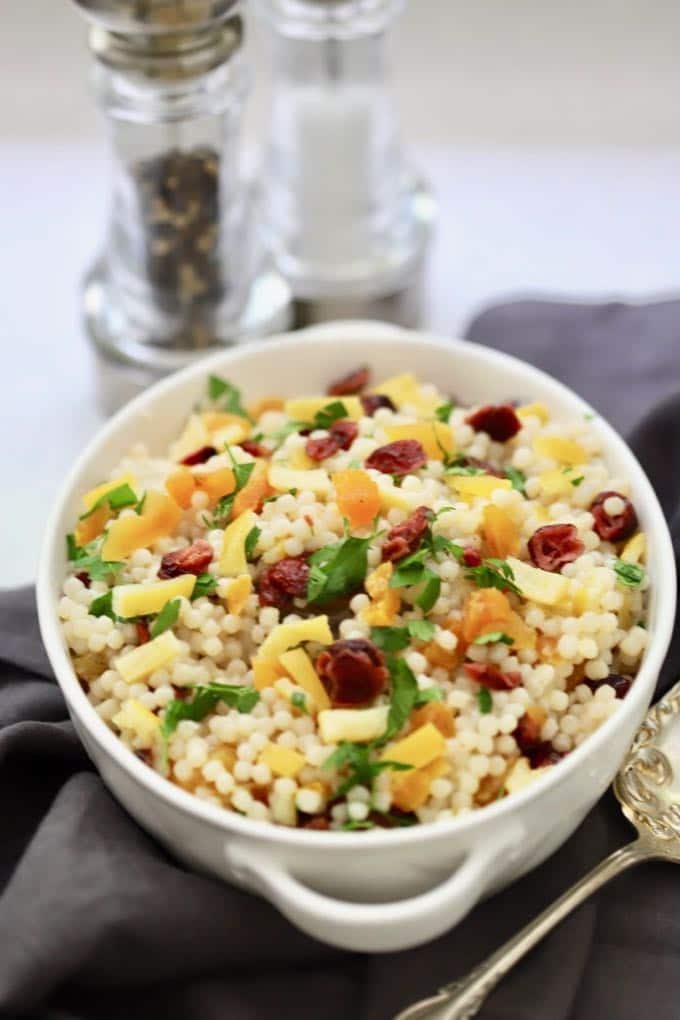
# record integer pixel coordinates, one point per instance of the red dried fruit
(619, 681)
(554, 545)
(372, 402)
(283, 581)
(143, 634)
(498, 420)
(543, 754)
(471, 558)
(491, 676)
(398, 458)
(320, 449)
(181, 693)
(145, 755)
(84, 578)
(618, 527)
(403, 539)
(345, 432)
(254, 449)
(199, 456)
(352, 671)
(318, 823)
(527, 734)
(192, 560)
(350, 383)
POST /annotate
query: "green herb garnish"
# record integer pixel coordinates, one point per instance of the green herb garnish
(464, 469)
(252, 539)
(494, 637)
(228, 395)
(354, 825)
(117, 499)
(324, 418)
(203, 700)
(103, 606)
(404, 690)
(493, 573)
(242, 473)
(421, 630)
(577, 481)
(427, 695)
(338, 569)
(518, 479)
(630, 574)
(395, 639)
(443, 412)
(166, 618)
(139, 506)
(299, 701)
(484, 700)
(356, 761)
(205, 584)
(88, 559)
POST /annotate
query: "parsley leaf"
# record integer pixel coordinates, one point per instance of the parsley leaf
(337, 569)
(493, 573)
(139, 506)
(484, 700)
(464, 469)
(228, 395)
(404, 692)
(299, 701)
(577, 481)
(430, 593)
(353, 825)
(205, 585)
(518, 479)
(252, 539)
(427, 695)
(395, 639)
(88, 559)
(166, 618)
(494, 637)
(103, 606)
(242, 473)
(630, 574)
(443, 412)
(203, 700)
(117, 498)
(324, 418)
(356, 760)
(421, 630)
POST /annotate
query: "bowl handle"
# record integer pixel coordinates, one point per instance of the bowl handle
(374, 927)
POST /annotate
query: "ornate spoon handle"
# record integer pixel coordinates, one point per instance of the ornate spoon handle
(462, 999)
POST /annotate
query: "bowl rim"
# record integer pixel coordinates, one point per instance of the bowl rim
(381, 334)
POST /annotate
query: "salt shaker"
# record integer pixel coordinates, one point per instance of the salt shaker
(346, 217)
(181, 271)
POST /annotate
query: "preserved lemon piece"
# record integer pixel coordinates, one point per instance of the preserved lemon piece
(356, 724)
(144, 599)
(142, 661)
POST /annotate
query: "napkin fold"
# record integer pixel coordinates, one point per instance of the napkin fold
(98, 922)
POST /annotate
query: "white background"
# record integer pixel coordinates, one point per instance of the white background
(551, 133)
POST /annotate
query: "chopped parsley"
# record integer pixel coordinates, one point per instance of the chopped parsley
(117, 499)
(242, 473)
(205, 585)
(395, 639)
(139, 506)
(577, 481)
(324, 418)
(338, 569)
(227, 395)
(203, 700)
(518, 479)
(443, 412)
(403, 696)
(484, 700)
(630, 574)
(464, 469)
(87, 559)
(493, 637)
(166, 618)
(299, 701)
(355, 760)
(427, 695)
(252, 539)
(493, 573)
(103, 606)
(430, 593)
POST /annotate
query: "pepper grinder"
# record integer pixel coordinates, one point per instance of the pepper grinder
(182, 271)
(345, 216)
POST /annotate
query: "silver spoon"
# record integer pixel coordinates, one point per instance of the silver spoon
(648, 790)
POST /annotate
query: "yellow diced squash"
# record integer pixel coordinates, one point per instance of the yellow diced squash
(565, 451)
(138, 720)
(233, 560)
(538, 585)
(418, 748)
(145, 659)
(282, 761)
(288, 635)
(300, 667)
(144, 599)
(356, 724)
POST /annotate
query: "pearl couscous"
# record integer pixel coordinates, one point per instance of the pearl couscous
(376, 607)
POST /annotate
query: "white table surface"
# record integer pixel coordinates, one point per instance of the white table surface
(592, 224)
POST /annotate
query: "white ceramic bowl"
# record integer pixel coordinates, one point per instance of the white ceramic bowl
(379, 890)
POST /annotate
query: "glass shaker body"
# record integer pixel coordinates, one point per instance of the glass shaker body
(343, 210)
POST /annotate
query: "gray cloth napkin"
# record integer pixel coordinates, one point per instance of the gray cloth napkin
(96, 921)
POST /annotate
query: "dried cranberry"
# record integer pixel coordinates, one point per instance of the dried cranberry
(619, 681)
(254, 449)
(498, 420)
(192, 560)
(471, 558)
(491, 676)
(398, 458)
(317, 823)
(352, 671)
(555, 545)
(283, 581)
(543, 754)
(351, 383)
(199, 456)
(84, 578)
(618, 527)
(145, 755)
(527, 734)
(143, 634)
(320, 449)
(372, 402)
(345, 432)
(403, 539)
